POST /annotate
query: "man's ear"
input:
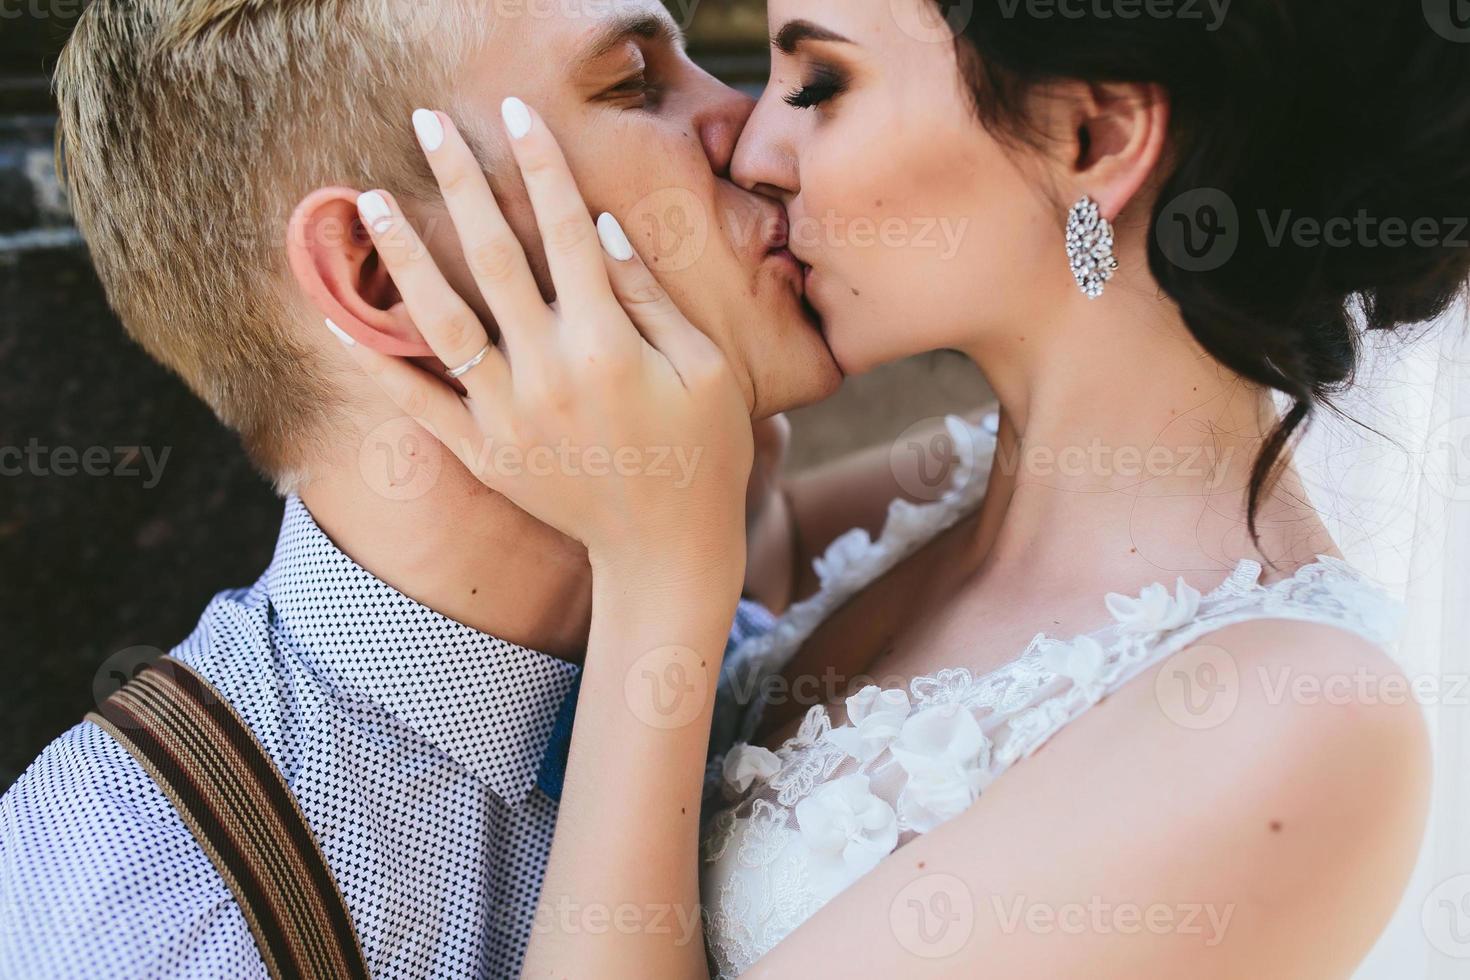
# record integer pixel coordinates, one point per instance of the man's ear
(338, 270)
(1119, 134)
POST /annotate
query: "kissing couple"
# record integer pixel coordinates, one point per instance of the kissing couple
(499, 723)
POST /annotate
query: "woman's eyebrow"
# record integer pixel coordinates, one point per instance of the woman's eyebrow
(795, 32)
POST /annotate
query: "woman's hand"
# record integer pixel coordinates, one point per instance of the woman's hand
(605, 415)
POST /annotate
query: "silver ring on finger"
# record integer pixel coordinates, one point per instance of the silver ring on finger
(471, 364)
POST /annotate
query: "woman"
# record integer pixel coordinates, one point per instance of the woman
(1186, 818)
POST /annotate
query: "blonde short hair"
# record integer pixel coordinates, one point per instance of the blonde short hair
(190, 129)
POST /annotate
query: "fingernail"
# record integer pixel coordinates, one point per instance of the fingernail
(341, 334)
(614, 239)
(517, 117)
(375, 211)
(429, 128)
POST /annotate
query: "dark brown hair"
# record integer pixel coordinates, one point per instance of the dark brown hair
(1311, 111)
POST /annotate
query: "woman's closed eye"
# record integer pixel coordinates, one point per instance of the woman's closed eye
(823, 84)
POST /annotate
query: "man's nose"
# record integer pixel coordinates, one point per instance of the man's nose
(719, 121)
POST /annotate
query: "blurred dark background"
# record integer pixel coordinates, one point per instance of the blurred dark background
(94, 567)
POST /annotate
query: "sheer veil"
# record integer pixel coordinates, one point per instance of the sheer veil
(1398, 503)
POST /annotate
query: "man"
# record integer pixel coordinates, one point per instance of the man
(405, 659)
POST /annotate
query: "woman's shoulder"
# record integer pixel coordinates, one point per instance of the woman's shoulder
(1314, 732)
(1277, 770)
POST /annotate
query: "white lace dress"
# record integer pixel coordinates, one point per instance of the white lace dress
(786, 831)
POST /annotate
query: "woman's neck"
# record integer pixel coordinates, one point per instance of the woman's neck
(1125, 443)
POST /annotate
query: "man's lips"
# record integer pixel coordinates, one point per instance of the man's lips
(778, 231)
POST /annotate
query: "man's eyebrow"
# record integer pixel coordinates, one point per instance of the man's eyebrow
(795, 32)
(619, 30)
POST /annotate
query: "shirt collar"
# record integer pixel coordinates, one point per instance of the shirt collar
(488, 704)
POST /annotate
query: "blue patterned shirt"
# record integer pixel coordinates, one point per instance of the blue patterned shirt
(425, 755)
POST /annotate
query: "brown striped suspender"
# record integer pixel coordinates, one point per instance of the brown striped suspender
(234, 801)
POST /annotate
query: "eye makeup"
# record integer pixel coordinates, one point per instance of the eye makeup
(822, 84)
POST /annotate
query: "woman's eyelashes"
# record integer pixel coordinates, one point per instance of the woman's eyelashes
(823, 84)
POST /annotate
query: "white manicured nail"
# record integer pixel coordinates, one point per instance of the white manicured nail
(429, 128)
(341, 334)
(375, 211)
(614, 239)
(517, 117)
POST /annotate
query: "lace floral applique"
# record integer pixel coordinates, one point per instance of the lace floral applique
(875, 717)
(950, 686)
(906, 762)
(947, 760)
(846, 830)
(765, 837)
(807, 758)
(717, 837)
(1155, 611)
